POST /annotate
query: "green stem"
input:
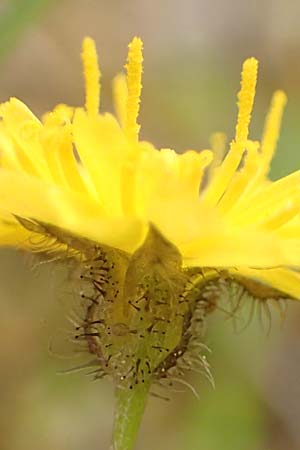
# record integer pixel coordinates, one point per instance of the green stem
(130, 405)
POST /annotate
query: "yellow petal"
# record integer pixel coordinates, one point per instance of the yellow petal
(102, 148)
(284, 280)
(31, 198)
(12, 234)
(221, 247)
(24, 129)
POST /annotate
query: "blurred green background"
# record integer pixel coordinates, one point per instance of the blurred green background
(193, 54)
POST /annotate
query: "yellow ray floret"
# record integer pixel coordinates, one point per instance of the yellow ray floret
(89, 174)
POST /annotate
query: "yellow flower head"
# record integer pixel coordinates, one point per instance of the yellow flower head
(157, 236)
(88, 174)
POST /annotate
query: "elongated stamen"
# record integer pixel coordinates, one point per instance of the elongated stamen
(120, 94)
(231, 162)
(92, 76)
(246, 99)
(218, 146)
(243, 180)
(134, 69)
(272, 126)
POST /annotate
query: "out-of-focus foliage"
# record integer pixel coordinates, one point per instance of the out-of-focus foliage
(15, 17)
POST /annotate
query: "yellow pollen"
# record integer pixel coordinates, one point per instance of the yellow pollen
(134, 69)
(246, 98)
(272, 126)
(92, 76)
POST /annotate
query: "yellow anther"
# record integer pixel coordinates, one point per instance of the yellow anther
(134, 69)
(120, 94)
(272, 126)
(92, 76)
(246, 98)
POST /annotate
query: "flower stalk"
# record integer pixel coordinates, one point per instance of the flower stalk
(129, 409)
